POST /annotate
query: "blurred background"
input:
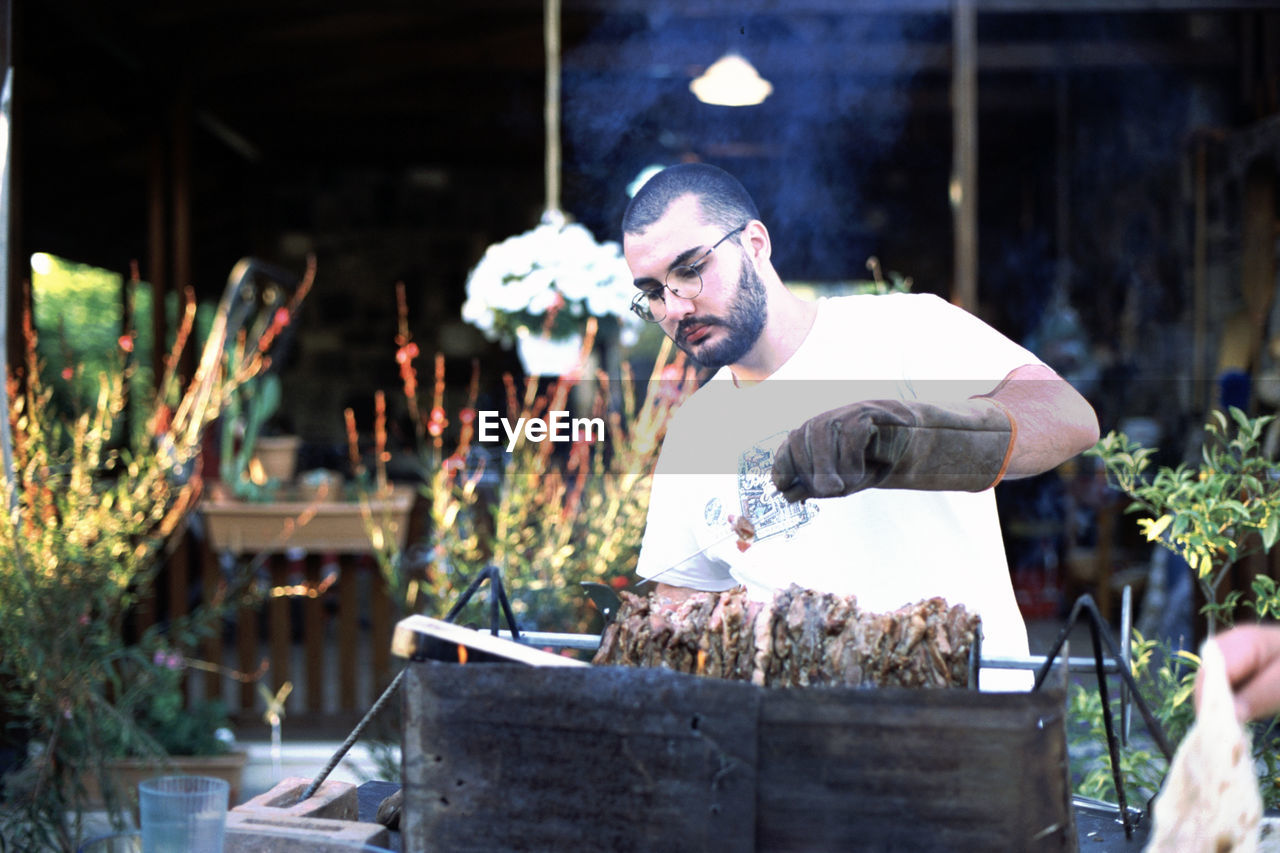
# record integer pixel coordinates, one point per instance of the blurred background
(1096, 179)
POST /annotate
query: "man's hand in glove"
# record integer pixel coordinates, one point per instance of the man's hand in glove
(893, 444)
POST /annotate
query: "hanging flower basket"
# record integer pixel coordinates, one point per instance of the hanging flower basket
(542, 355)
(546, 282)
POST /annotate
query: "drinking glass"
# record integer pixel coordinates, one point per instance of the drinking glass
(183, 814)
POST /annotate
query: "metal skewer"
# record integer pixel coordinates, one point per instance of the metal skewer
(591, 642)
(732, 534)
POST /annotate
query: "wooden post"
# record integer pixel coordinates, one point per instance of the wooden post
(1200, 282)
(381, 615)
(181, 132)
(157, 235)
(211, 581)
(145, 613)
(1257, 253)
(279, 624)
(964, 161)
(248, 655)
(179, 564)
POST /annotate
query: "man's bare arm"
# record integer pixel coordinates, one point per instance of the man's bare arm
(1054, 421)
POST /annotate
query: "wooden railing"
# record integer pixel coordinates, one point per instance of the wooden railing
(325, 618)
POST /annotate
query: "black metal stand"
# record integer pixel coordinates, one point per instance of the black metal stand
(497, 599)
(1099, 634)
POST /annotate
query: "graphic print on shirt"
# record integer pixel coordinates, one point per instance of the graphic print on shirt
(769, 511)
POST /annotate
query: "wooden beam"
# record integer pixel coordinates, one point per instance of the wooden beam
(964, 156)
(690, 56)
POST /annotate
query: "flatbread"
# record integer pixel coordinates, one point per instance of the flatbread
(1210, 801)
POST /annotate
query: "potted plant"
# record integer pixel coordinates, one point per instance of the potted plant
(1212, 515)
(253, 466)
(256, 512)
(536, 291)
(157, 729)
(93, 500)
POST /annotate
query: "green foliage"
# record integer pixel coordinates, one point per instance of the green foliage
(79, 313)
(1211, 515)
(93, 498)
(249, 409)
(1166, 681)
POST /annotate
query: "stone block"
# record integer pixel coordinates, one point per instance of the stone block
(262, 832)
(333, 799)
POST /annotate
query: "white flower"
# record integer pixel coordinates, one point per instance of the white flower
(555, 265)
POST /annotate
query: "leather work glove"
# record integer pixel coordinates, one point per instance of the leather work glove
(895, 444)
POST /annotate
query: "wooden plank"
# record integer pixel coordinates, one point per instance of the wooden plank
(615, 758)
(499, 756)
(913, 770)
(348, 634)
(313, 634)
(422, 637)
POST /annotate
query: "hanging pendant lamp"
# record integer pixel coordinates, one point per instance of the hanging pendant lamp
(731, 81)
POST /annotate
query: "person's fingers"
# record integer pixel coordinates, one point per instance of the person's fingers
(796, 493)
(1252, 657)
(1260, 696)
(784, 474)
(825, 456)
(1248, 648)
(822, 446)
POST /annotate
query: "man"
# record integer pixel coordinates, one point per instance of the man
(895, 414)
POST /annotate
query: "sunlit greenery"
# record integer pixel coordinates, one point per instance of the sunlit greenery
(92, 506)
(1212, 515)
(79, 315)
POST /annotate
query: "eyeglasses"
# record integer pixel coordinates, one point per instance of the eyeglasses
(685, 281)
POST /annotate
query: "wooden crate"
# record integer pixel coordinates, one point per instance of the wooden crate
(503, 757)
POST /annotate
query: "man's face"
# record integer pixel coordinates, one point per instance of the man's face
(722, 323)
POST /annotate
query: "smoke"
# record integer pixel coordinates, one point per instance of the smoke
(836, 111)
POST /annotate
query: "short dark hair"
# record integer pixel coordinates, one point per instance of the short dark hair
(724, 200)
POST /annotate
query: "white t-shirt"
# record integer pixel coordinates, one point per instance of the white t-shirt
(887, 547)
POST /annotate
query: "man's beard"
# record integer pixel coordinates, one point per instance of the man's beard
(745, 322)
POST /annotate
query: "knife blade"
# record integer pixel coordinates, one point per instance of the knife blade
(606, 597)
